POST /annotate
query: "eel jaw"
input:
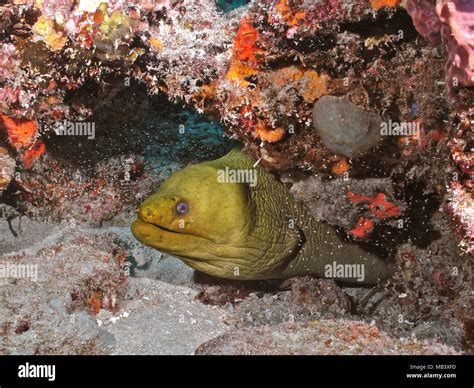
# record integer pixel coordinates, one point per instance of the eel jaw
(192, 250)
(150, 234)
(197, 252)
(166, 240)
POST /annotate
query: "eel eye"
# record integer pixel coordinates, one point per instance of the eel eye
(182, 208)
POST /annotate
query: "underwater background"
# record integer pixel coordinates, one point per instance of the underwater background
(363, 109)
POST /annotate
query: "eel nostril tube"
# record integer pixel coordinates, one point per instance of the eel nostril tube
(146, 213)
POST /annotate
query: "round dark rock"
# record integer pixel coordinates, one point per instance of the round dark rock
(345, 128)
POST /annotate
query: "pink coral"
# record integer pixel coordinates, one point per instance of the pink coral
(451, 21)
(460, 198)
(457, 32)
(60, 10)
(425, 19)
(8, 95)
(9, 61)
(461, 207)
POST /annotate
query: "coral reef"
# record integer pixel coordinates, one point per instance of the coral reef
(21, 133)
(425, 19)
(452, 22)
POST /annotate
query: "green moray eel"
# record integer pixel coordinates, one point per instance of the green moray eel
(220, 223)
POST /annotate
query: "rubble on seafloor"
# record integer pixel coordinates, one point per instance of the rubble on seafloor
(100, 291)
(317, 337)
(266, 74)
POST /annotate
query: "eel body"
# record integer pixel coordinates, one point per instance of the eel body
(233, 220)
